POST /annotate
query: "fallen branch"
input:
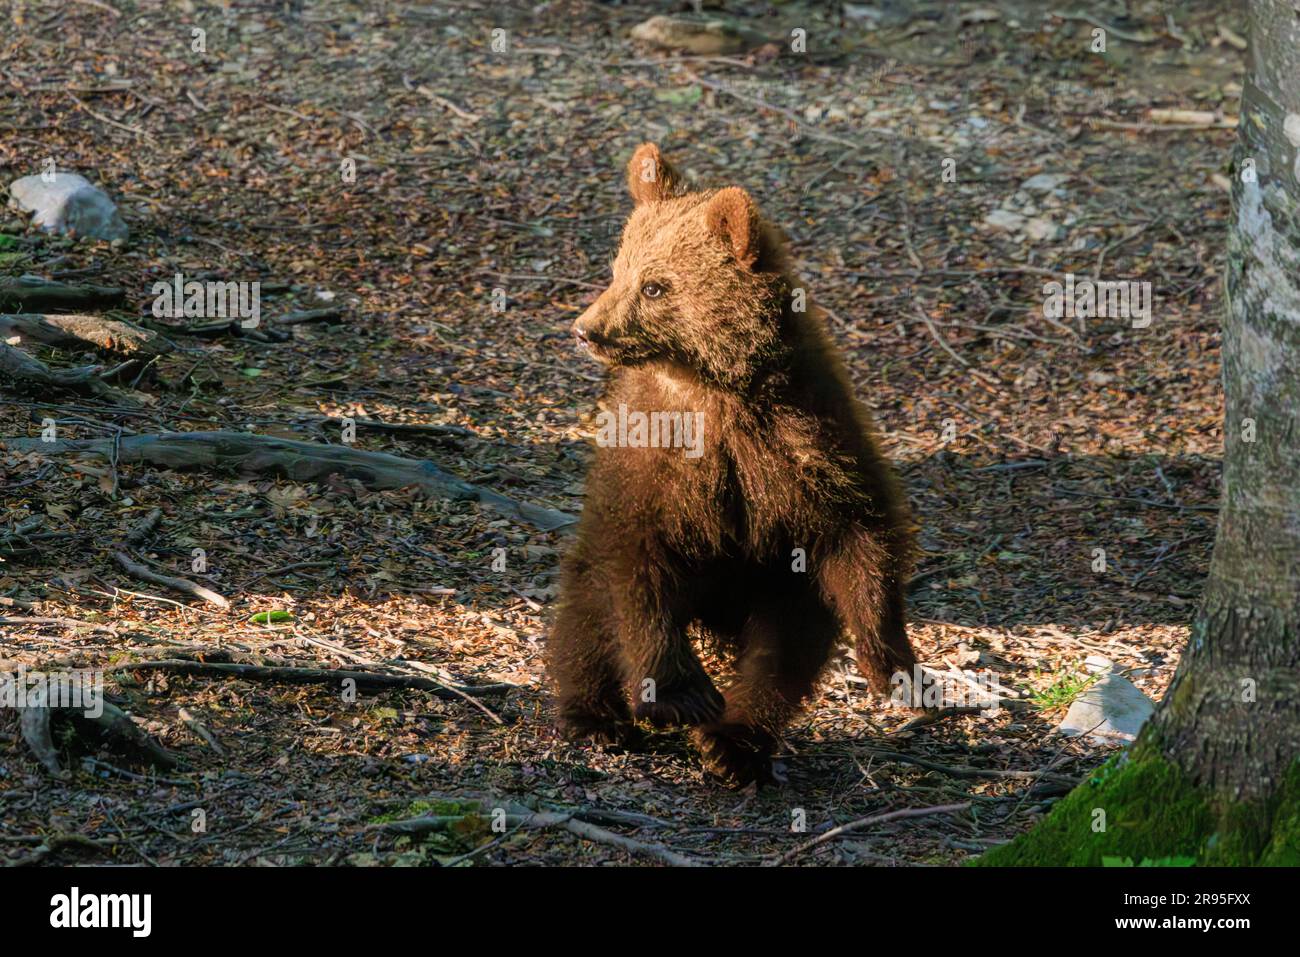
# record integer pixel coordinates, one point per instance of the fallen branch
(144, 528)
(414, 665)
(327, 314)
(56, 842)
(859, 824)
(65, 622)
(32, 294)
(37, 715)
(934, 717)
(143, 573)
(319, 676)
(434, 431)
(593, 833)
(78, 331)
(297, 461)
(24, 369)
(519, 816)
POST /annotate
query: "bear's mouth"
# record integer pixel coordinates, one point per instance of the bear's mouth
(602, 349)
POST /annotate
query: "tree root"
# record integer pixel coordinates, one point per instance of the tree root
(37, 719)
(33, 373)
(297, 461)
(32, 294)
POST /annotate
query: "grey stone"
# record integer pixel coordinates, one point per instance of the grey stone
(1111, 711)
(1044, 182)
(70, 205)
(1005, 219)
(1041, 229)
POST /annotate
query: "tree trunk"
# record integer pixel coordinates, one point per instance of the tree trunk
(1232, 717)
(1214, 778)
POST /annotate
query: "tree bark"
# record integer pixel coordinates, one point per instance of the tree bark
(1214, 777)
(1231, 719)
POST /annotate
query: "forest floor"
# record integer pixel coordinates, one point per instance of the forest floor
(1025, 443)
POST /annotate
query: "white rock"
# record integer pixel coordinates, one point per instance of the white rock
(863, 11)
(1291, 128)
(1005, 219)
(1044, 182)
(70, 205)
(1112, 711)
(1041, 229)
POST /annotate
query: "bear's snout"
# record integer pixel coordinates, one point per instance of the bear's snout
(589, 331)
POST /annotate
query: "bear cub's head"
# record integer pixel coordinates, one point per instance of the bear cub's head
(699, 281)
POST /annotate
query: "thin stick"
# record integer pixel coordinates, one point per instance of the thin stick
(857, 825)
(591, 832)
(322, 676)
(139, 571)
(938, 338)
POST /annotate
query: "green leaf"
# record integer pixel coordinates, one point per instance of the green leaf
(682, 96)
(270, 617)
(251, 372)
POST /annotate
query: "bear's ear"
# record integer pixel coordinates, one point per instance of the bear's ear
(732, 216)
(650, 177)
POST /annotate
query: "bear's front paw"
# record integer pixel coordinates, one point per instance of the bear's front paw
(600, 729)
(737, 754)
(698, 703)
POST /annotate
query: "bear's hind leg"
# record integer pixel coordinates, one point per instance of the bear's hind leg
(785, 646)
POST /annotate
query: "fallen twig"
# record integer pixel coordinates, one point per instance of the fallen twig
(143, 573)
(859, 824)
(523, 817)
(325, 676)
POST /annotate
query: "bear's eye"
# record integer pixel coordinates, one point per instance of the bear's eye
(652, 290)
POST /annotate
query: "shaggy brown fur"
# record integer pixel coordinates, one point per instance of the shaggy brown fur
(699, 316)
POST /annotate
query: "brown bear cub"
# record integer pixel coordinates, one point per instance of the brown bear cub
(766, 518)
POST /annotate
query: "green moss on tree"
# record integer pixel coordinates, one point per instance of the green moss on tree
(1153, 814)
(1148, 809)
(1283, 849)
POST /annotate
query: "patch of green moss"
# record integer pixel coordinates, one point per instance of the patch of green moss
(1154, 817)
(1240, 834)
(1283, 849)
(439, 808)
(1138, 806)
